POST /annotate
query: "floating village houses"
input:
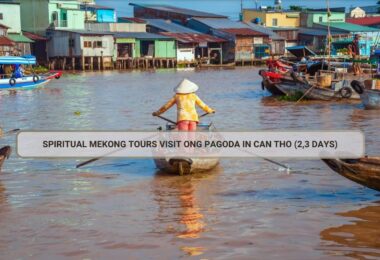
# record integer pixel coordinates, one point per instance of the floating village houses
(193, 47)
(79, 34)
(244, 44)
(283, 23)
(12, 40)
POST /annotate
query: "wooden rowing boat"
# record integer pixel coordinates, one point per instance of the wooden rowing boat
(186, 165)
(4, 154)
(365, 171)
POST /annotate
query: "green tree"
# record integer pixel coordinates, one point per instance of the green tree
(295, 8)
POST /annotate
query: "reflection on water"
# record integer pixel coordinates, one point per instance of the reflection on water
(360, 238)
(177, 200)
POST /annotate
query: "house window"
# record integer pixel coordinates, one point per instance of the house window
(1, 16)
(320, 19)
(87, 44)
(98, 44)
(274, 22)
(71, 43)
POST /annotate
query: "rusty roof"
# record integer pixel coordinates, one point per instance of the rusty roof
(34, 37)
(242, 32)
(4, 41)
(370, 20)
(193, 37)
(131, 19)
(3, 26)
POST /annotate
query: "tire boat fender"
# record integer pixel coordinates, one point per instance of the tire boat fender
(345, 92)
(36, 78)
(12, 81)
(357, 86)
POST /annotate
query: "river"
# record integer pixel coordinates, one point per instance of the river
(244, 209)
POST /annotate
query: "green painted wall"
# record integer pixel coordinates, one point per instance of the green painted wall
(165, 49)
(74, 18)
(322, 17)
(136, 50)
(11, 17)
(34, 16)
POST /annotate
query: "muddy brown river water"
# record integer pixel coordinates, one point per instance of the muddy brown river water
(125, 209)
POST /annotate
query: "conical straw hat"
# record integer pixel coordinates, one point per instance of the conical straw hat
(186, 87)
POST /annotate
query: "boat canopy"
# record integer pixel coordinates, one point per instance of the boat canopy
(15, 60)
(300, 51)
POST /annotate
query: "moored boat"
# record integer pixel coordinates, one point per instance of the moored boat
(365, 171)
(21, 82)
(369, 97)
(4, 154)
(269, 82)
(340, 91)
(186, 165)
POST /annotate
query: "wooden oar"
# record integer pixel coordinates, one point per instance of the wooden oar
(307, 92)
(13, 131)
(97, 158)
(166, 119)
(174, 123)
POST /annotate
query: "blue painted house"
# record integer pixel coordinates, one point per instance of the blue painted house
(99, 13)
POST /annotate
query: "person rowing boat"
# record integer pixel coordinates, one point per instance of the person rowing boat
(186, 101)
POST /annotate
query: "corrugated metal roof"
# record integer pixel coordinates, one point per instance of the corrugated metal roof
(19, 38)
(95, 7)
(366, 21)
(183, 11)
(318, 32)
(84, 32)
(349, 27)
(242, 32)
(34, 37)
(141, 35)
(168, 26)
(221, 23)
(265, 30)
(4, 41)
(193, 38)
(131, 19)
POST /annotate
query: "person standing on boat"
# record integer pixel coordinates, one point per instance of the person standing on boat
(186, 100)
(354, 50)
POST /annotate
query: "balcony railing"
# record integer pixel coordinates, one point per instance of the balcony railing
(60, 23)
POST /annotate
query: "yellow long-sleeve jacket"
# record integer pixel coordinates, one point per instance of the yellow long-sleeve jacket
(186, 106)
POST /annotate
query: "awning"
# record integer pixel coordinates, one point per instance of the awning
(300, 51)
(34, 37)
(19, 38)
(13, 60)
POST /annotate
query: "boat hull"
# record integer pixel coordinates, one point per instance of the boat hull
(272, 88)
(4, 154)
(29, 82)
(181, 166)
(371, 99)
(365, 171)
(316, 93)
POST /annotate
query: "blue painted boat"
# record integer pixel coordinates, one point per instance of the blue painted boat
(371, 99)
(18, 81)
